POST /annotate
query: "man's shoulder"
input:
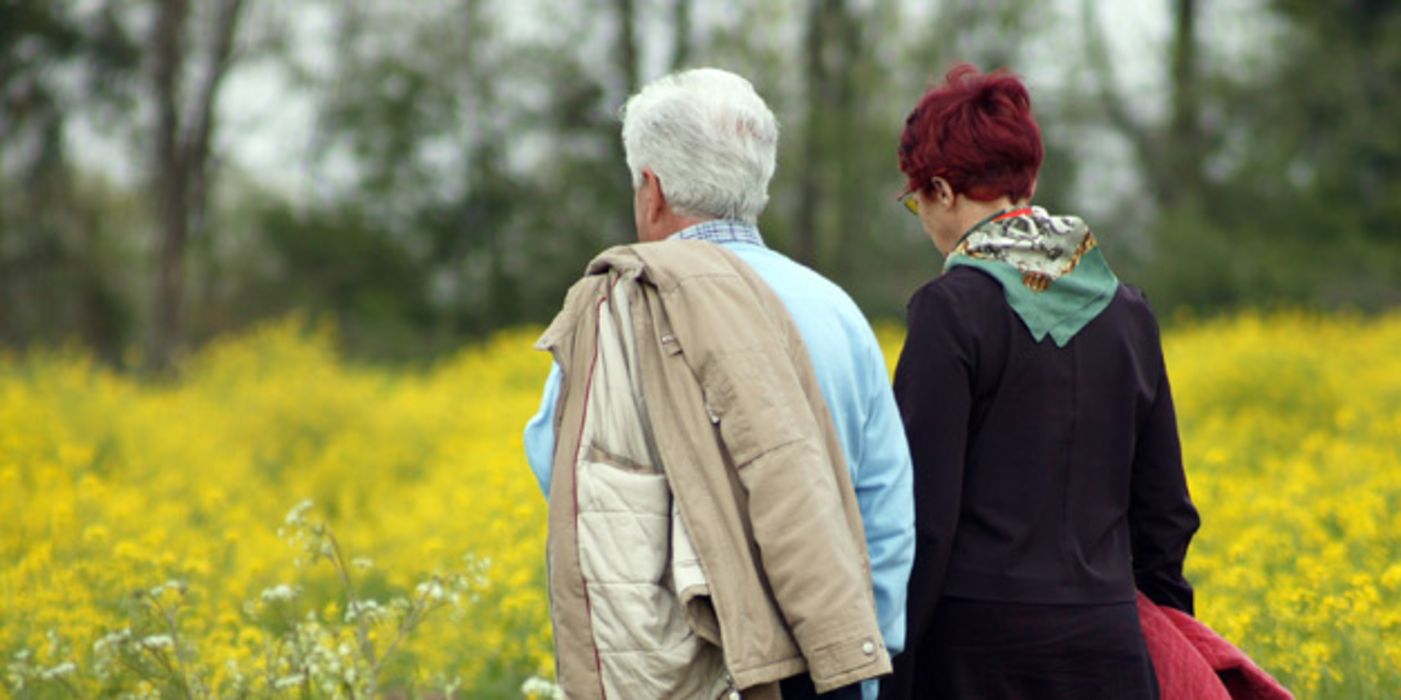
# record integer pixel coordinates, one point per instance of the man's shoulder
(672, 262)
(833, 325)
(792, 279)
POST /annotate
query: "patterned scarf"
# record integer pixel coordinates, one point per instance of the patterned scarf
(1050, 268)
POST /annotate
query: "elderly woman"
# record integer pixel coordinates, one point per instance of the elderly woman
(1048, 474)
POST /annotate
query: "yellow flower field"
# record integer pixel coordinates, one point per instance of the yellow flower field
(158, 540)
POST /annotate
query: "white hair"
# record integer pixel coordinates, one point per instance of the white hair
(710, 140)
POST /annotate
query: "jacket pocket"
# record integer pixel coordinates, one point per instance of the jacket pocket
(744, 398)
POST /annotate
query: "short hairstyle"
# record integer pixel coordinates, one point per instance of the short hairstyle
(709, 138)
(977, 132)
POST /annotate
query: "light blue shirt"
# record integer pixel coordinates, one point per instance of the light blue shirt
(852, 374)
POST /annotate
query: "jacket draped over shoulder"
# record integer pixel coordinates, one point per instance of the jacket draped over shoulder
(729, 410)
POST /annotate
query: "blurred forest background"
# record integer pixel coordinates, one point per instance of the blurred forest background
(421, 173)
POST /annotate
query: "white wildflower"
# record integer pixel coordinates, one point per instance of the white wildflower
(291, 681)
(112, 639)
(105, 649)
(536, 685)
(431, 590)
(171, 585)
(18, 671)
(368, 608)
(279, 593)
(64, 669)
(56, 645)
(158, 641)
(297, 516)
(450, 686)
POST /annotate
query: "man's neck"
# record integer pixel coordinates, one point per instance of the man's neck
(671, 224)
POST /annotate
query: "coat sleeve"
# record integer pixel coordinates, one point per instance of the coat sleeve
(934, 390)
(1162, 518)
(794, 500)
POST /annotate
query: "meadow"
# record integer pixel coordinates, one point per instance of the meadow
(283, 523)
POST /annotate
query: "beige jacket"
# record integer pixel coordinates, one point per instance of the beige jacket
(730, 412)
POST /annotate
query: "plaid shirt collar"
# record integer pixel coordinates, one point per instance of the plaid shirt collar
(720, 231)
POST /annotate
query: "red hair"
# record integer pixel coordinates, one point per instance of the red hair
(976, 131)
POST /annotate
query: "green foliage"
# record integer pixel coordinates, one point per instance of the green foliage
(466, 168)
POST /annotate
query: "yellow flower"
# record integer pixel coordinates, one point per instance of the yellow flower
(1291, 435)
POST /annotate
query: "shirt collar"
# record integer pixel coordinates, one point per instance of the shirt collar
(720, 231)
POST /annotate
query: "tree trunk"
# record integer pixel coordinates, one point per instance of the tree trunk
(681, 21)
(1171, 156)
(832, 46)
(202, 123)
(627, 45)
(817, 81)
(169, 181)
(1184, 131)
(853, 193)
(180, 158)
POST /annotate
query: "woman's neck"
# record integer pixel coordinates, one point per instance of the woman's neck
(969, 213)
(973, 211)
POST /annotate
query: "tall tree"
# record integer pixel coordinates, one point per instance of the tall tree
(681, 33)
(628, 66)
(1172, 155)
(180, 156)
(831, 50)
(59, 60)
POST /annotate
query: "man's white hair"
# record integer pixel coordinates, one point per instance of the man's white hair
(708, 137)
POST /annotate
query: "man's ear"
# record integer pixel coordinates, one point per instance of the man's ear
(653, 200)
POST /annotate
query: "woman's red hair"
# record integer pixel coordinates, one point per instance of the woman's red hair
(976, 131)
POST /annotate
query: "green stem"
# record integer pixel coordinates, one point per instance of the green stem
(362, 628)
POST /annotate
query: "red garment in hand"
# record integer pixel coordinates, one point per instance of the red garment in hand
(1194, 663)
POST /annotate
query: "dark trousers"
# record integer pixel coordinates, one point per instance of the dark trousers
(799, 687)
(1010, 651)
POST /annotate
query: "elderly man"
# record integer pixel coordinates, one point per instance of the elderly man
(701, 148)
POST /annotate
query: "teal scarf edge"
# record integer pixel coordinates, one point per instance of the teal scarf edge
(1065, 307)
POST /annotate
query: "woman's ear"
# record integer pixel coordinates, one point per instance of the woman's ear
(942, 190)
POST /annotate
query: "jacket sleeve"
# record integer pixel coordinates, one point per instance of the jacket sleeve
(800, 525)
(933, 388)
(883, 478)
(1162, 518)
(794, 503)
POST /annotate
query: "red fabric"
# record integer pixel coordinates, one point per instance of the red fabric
(1194, 663)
